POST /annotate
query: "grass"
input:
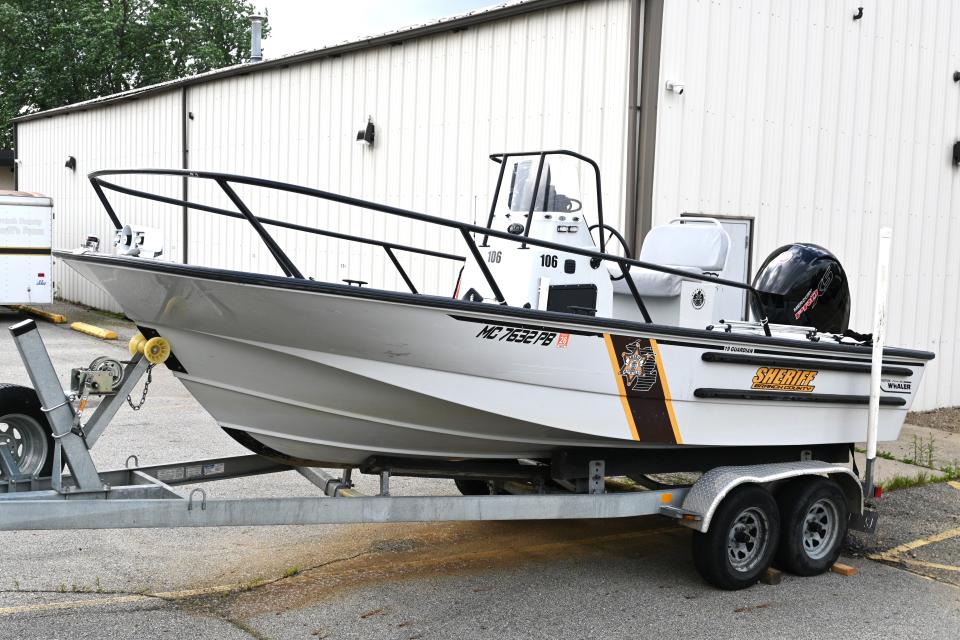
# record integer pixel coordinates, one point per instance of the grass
(253, 584)
(886, 455)
(950, 472)
(905, 482)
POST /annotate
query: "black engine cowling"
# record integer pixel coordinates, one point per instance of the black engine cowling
(805, 285)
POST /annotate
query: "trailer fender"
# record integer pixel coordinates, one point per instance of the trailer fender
(708, 492)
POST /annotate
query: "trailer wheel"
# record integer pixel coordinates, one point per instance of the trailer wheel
(813, 513)
(741, 540)
(24, 430)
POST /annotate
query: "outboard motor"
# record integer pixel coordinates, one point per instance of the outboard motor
(804, 285)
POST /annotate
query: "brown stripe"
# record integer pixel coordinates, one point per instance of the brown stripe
(640, 372)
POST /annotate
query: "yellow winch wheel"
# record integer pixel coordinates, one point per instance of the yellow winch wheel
(136, 344)
(156, 350)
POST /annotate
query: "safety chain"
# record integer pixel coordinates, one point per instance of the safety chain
(146, 387)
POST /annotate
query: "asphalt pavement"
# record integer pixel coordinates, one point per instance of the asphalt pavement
(581, 579)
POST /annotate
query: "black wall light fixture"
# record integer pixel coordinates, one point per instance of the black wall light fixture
(71, 163)
(956, 153)
(367, 134)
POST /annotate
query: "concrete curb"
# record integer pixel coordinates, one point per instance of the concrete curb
(55, 318)
(97, 332)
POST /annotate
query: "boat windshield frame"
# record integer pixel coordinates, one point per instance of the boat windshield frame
(467, 230)
(502, 159)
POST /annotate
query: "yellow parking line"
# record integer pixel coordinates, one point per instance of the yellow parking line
(931, 565)
(954, 484)
(922, 542)
(71, 604)
(161, 595)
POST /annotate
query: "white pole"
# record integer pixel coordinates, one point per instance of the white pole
(876, 365)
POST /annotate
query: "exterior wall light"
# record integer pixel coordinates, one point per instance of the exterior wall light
(366, 135)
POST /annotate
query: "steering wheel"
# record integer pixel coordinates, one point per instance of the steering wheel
(623, 243)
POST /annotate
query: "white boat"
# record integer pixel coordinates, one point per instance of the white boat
(545, 351)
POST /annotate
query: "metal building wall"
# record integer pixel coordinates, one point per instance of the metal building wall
(441, 104)
(140, 133)
(824, 129)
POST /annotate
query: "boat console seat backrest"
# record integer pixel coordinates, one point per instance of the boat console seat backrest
(699, 246)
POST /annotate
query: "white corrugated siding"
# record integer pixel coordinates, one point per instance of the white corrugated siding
(554, 78)
(824, 129)
(441, 104)
(135, 134)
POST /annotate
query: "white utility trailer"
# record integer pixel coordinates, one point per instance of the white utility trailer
(739, 526)
(26, 260)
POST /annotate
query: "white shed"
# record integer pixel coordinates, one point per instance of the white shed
(812, 121)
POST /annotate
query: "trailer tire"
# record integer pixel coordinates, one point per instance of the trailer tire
(741, 540)
(24, 428)
(813, 516)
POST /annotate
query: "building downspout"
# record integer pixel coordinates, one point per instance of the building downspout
(16, 157)
(633, 115)
(647, 119)
(185, 164)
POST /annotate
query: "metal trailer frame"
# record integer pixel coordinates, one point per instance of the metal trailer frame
(144, 496)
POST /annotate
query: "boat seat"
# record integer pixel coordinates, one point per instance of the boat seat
(650, 283)
(699, 246)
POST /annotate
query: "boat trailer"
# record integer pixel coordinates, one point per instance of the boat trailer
(144, 496)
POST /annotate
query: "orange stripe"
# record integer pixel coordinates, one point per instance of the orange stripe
(666, 392)
(623, 392)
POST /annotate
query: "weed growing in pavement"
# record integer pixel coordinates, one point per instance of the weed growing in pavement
(950, 472)
(292, 571)
(253, 584)
(923, 452)
(886, 455)
(905, 482)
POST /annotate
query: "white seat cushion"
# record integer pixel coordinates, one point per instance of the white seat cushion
(702, 245)
(655, 284)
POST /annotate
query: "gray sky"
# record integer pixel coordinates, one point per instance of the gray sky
(301, 25)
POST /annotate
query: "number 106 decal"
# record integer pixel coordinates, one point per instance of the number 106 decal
(548, 260)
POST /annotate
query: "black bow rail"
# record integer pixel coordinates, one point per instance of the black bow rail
(225, 180)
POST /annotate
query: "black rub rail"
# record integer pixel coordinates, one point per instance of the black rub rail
(786, 396)
(226, 180)
(823, 365)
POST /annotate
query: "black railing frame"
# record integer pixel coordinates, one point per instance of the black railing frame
(466, 230)
(502, 158)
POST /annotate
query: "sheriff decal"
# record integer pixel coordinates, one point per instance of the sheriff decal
(639, 369)
(782, 379)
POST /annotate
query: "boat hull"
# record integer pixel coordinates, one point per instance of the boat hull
(334, 375)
